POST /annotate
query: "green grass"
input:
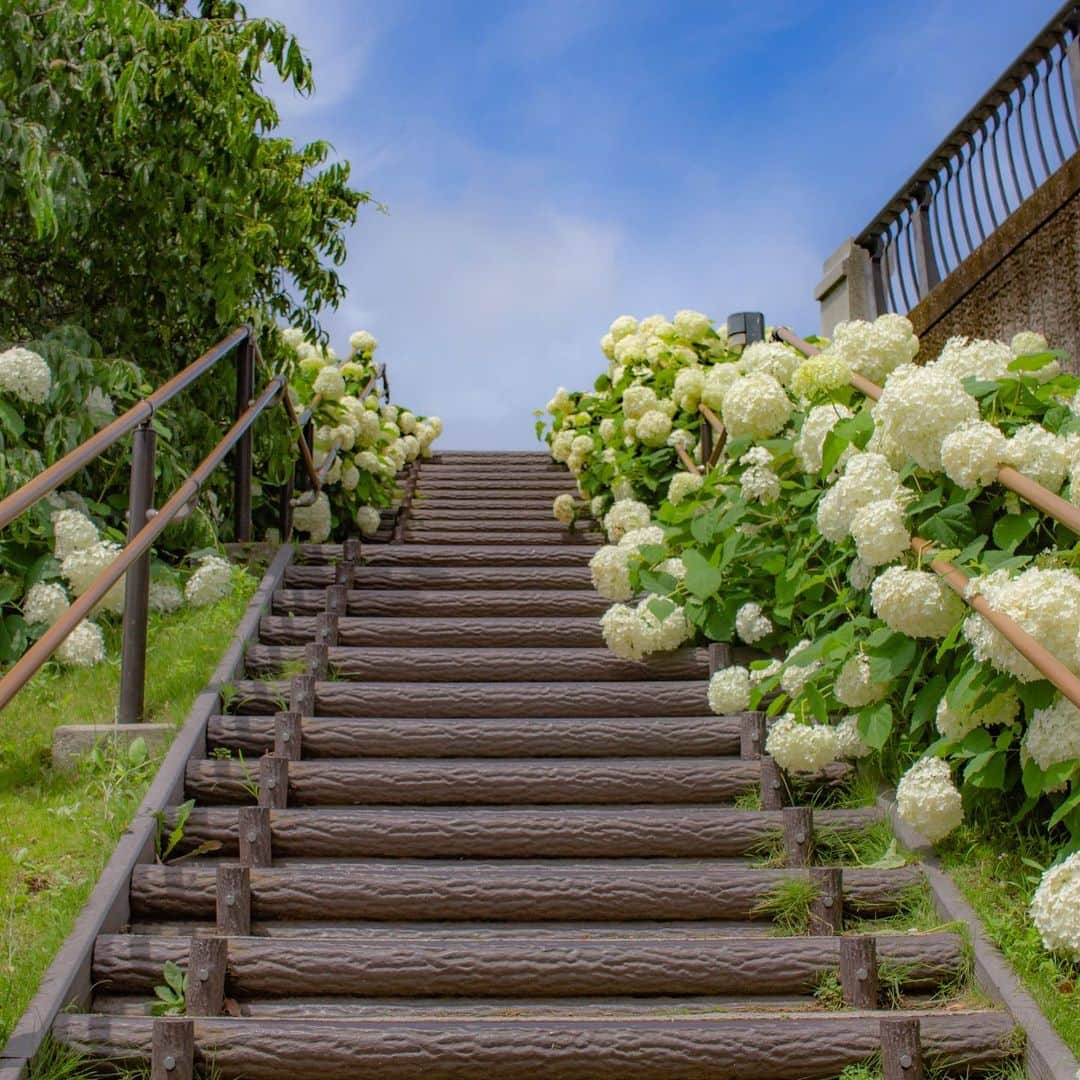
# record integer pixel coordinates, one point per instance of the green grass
(57, 830)
(997, 869)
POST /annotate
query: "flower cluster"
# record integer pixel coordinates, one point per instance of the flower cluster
(25, 375)
(633, 633)
(801, 748)
(927, 799)
(1055, 907)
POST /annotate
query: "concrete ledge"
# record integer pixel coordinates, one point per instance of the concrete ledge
(67, 979)
(1047, 1056)
(71, 742)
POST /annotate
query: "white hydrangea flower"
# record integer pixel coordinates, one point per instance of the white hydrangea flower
(683, 484)
(633, 633)
(560, 402)
(625, 515)
(610, 570)
(367, 519)
(293, 336)
(44, 603)
(755, 405)
(1028, 343)
(718, 381)
(72, 531)
(1000, 710)
(165, 596)
(1045, 603)
(673, 566)
(330, 383)
(757, 455)
(919, 407)
(1040, 455)
(849, 743)
(801, 748)
(596, 507)
(653, 428)
(82, 566)
(1053, 736)
(963, 357)
(751, 623)
(25, 374)
(820, 375)
(1055, 907)
(879, 532)
(760, 674)
(854, 685)
(773, 358)
(681, 439)
(368, 428)
(729, 691)
(971, 454)
(689, 386)
(314, 519)
(875, 349)
(632, 349)
(662, 634)
(83, 647)
(561, 442)
(759, 484)
(915, 602)
(99, 407)
(692, 325)
(638, 538)
(607, 346)
(637, 400)
(350, 476)
(563, 508)
(622, 326)
(209, 583)
(362, 343)
(819, 421)
(608, 430)
(794, 677)
(867, 478)
(927, 799)
(622, 488)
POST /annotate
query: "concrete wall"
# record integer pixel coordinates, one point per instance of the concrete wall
(1025, 277)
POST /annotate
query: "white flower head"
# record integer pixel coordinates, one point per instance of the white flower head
(972, 453)
(25, 375)
(362, 343)
(625, 515)
(83, 647)
(954, 724)
(927, 799)
(330, 383)
(683, 484)
(729, 691)
(879, 532)
(82, 566)
(610, 570)
(874, 349)
(209, 583)
(563, 508)
(855, 686)
(315, 519)
(692, 326)
(653, 428)
(756, 405)
(44, 603)
(810, 444)
(72, 531)
(367, 519)
(973, 357)
(801, 748)
(1055, 907)
(751, 623)
(915, 602)
(773, 358)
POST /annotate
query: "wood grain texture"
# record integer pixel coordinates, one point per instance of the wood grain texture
(774, 1046)
(424, 603)
(483, 576)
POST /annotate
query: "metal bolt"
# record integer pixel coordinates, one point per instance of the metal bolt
(286, 736)
(230, 900)
(170, 1063)
(862, 974)
(800, 838)
(827, 901)
(252, 836)
(905, 1061)
(204, 974)
(776, 785)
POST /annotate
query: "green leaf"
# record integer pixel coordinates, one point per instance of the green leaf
(653, 582)
(953, 526)
(11, 420)
(892, 657)
(816, 704)
(875, 724)
(891, 860)
(986, 771)
(926, 703)
(1010, 530)
(1066, 808)
(137, 752)
(702, 580)
(1033, 361)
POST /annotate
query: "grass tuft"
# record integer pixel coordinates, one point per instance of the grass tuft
(788, 905)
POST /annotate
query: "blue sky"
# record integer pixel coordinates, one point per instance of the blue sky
(549, 165)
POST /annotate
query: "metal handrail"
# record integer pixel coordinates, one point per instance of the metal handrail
(1044, 661)
(913, 240)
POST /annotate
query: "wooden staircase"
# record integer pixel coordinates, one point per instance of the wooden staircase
(458, 837)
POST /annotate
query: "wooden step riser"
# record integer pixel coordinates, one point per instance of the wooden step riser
(490, 502)
(445, 700)
(467, 518)
(477, 737)
(512, 893)
(437, 603)
(427, 521)
(439, 633)
(260, 968)
(526, 536)
(469, 782)
(479, 555)
(456, 665)
(466, 578)
(530, 832)
(435, 483)
(502, 472)
(798, 1046)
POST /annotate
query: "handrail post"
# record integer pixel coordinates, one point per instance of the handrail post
(137, 581)
(926, 267)
(242, 456)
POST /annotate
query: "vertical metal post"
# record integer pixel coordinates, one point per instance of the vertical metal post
(878, 280)
(926, 267)
(137, 579)
(242, 455)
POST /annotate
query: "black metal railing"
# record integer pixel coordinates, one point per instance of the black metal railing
(1017, 136)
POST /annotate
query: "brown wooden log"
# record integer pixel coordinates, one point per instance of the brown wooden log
(798, 835)
(301, 695)
(480, 576)
(253, 824)
(752, 732)
(288, 736)
(326, 629)
(531, 892)
(172, 1049)
(337, 603)
(769, 1045)
(570, 553)
(901, 1049)
(396, 966)
(345, 782)
(524, 603)
(827, 907)
(859, 971)
(719, 656)
(233, 900)
(773, 788)
(351, 550)
(341, 573)
(316, 656)
(207, 961)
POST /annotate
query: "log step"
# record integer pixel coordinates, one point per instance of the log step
(468, 781)
(670, 697)
(488, 737)
(439, 632)
(418, 890)
(465, 519)
(446, 577)
(591, 540)
(540, 484)
(567, 554)
(769, 1045)
(510, 832)
(460, 665)
(429, 603)
(391, 967)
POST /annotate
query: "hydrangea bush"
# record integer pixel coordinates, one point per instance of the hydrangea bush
(798, 542)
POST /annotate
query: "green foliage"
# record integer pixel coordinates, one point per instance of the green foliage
(788, 905)
(170, 993)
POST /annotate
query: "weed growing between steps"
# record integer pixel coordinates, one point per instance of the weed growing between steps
(57, 831)
(56, 1062)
